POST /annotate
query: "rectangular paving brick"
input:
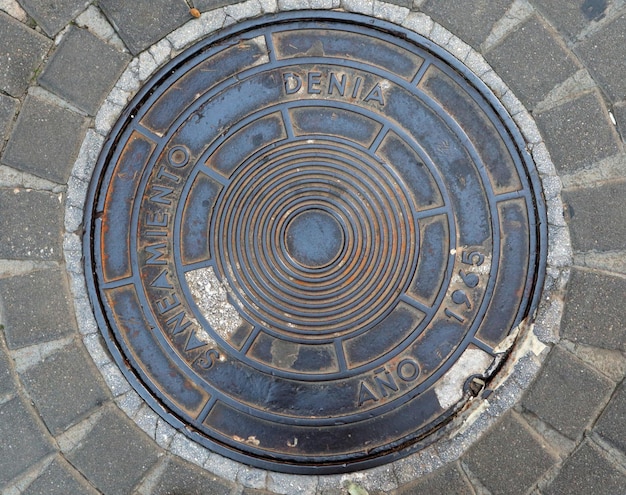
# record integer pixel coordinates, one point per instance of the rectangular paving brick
(59, 478)
(578, 133)
(612, 423)
(510, 458)
(183, 477)
(8, 106)
(571, 16)
(445, 481)
(619, 112)
(23, 440)
(471, 21)
(45, 140)
(204, 5)
(596, 216)
(567, 394)
(21, 52)
(65, 386)
(142, 23)
(602, 53)
(36, 308)
(115, 455)
(532, 60)
(588, 471)
(99, 64)
(6, 379)
(594, 311)
(53, 16)
(30, 225)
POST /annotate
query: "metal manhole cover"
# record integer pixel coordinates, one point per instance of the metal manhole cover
(306, 235)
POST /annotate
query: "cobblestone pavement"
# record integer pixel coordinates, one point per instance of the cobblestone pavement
(64, 424)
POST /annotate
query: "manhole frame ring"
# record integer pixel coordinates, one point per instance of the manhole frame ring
(499, 107)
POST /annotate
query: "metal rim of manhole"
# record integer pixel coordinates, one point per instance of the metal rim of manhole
(309, 236)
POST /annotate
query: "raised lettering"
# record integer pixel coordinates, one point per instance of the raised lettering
(314, 80)
(385, 382)
(178, 157)
(293, 82)
(165, 304)
(154, 250)
(460, 297)
(193, 342)
(164, 173)
(177, 322)
(375, 94)
(472, 258)
(454, 316)
(407, 370)
(334, 83)
(357, 87)
(208, 359)
(161, 281)
(470, 279)
(161, 195)
(365, 394)
(157, 219)
(331, 83)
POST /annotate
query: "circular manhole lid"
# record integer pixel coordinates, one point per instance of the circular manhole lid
(307, 234)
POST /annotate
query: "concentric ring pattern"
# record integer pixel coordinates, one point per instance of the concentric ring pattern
(313, 227)
(368, 204)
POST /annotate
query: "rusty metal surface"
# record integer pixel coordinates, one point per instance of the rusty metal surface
(307, 235)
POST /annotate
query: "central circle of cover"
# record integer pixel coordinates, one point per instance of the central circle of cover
(334, 180)
(314, 238)
(306, 234)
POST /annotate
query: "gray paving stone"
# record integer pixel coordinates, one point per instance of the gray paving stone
(532, 61)
(64, 387)
(601, 53)
(402, 3)
(83, 69)
(510, 458)
(594, 311)
(114, 456)
(568, 395)
(444, 481)
(252, 477)
(142, 23)
(254, 491)
(30, 225)
(185, 478)
(612, 423)
(619, 112)
(588, 471)
(286, 484)
(53, 16)
(23, 440)
(6, 380)
(571, 16)
(578, 133)
(45, 140)
(36, 308)
(8, 106)
(596, 217)
(470, 21)
(21, 52)
(59, 478)
(204, 5)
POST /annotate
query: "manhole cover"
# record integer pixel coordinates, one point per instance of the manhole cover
(307, 236)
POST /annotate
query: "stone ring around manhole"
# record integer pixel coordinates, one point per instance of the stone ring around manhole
(307, 234)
